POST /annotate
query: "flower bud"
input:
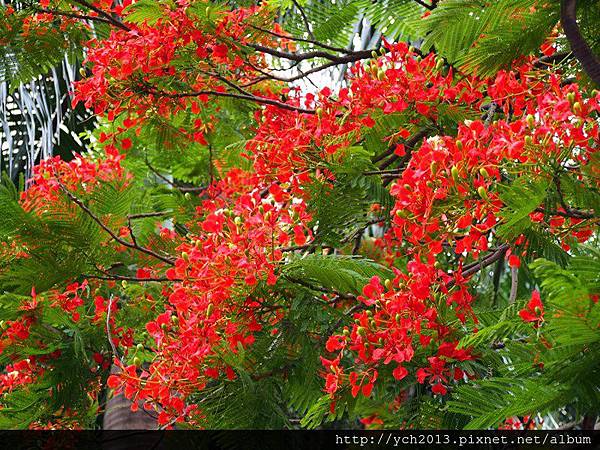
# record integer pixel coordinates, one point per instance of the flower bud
(124, 284)
(380, 74)
(454, 172)
(388, 284)
(528, 140)
(137, 362)
(187, 196)
(484, 173)
(139, 347)
(361, 331)
(374, 54)
(482, 192)
(459, 145)
(530, 120)
(346, 332)
(577, 108)
(319, 112)
(571, 97)
(433, 167)
(185, 256)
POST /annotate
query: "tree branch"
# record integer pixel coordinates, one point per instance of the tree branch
(111, 233)
(582, 51)
(111, 19)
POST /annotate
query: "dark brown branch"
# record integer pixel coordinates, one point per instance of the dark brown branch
(408, 144)
(425, 5)
(111, 233)
(114, 277)
(348, 58)
(550, 60)
(322, 289)
(58, 12)
(297, 39)
(485, 262)
(174, 185)
(570, 212)
(582, 51)
(304, 18)
(148, 214)
(251, 98)
(112, 20)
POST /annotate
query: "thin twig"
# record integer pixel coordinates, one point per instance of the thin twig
(514, 284)
(111, 233)
(304, 18)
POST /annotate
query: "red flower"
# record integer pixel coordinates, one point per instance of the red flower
(534, 312)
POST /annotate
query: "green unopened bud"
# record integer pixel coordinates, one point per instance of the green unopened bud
(571, 97)
(482, 192)
(82, 72)
(528, 140)
(369, 312)
(433, 167)
(187, 196)
(382, 50)
(459, 145)
(374, 54)
(185, 256)
(139, 347)
(411, 49)
(361, 331)
(380, 74)
(237, 221)
(388, 284)
(346, 332)
(402, 213)
(124, 284)
(577, 108)
(397, 317)
(174, 319)
(137, 362)
(319, 112)
(484, 173)
(439, 64)
(530, 120)
(454, 172)
(408, 187)
(209, 310)
(164, 326)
